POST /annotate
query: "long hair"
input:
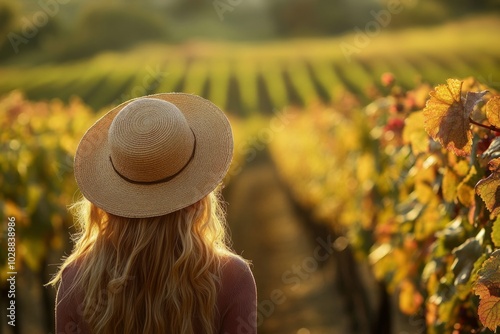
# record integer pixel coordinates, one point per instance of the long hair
(149, 275)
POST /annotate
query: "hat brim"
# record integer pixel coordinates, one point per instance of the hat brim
(101, 185)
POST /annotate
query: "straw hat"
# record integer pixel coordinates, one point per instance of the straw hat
(154, 155)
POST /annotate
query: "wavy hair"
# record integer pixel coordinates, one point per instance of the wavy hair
(149, 275)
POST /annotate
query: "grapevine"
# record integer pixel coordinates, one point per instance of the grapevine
(413, 180)
(38, 141)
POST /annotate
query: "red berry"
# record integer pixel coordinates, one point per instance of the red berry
(395, 124)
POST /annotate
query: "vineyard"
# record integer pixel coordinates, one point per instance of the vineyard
(380, 149)
(424, 217)
(259, 78)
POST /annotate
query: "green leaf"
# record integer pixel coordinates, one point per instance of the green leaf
(464, 290)
(487, 287)
(454, 233)
(465, 257)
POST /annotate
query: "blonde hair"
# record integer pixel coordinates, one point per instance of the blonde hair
(149, 275)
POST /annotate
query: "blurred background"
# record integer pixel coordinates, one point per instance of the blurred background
(317, 92)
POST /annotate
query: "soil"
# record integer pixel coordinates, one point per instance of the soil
(296, 280)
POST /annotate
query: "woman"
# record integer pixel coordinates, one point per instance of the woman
(152, 254)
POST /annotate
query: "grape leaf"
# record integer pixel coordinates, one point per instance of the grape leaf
(447, 116)
(465, 190)
(473, 98)
(495, 232)
(449, 185)
(494, 165)
(487, 287)
(454, 233)
(493, 111)
(465, 194)
(489, 189)
(465, 256)
(461, 168)
(410, 298)
(414, 133)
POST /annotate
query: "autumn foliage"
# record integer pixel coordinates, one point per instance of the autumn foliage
(449, 120)
(412, 180)
(37, 142)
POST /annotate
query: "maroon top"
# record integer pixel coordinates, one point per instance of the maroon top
(237, 302)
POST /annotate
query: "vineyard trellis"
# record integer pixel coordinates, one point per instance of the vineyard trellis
(408, 206)
(424, 217)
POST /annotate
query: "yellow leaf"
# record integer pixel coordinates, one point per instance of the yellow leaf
(414, 133)
(487, 288)
(430, 220)
(11, 209)
(410, 299)
(450, 183)
(489, 190)
(446, 116)
(465, 190)
(493, 111)
(32, 251)
(461, 167)
(445, 120)
(34, 193)
(366, 168)
(465, 194)
(494, 165)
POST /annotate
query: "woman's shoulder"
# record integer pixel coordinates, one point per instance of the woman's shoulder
(237, 279)
(238, 295)
(234, 266)
(69, 273)
(71, 269)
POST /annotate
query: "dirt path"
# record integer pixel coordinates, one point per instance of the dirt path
(294, 272)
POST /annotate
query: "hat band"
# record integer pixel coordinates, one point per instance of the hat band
(166, 179)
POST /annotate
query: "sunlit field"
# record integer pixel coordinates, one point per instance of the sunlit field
(250, 78)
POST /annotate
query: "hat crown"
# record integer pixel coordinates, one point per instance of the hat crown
(150, 140)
